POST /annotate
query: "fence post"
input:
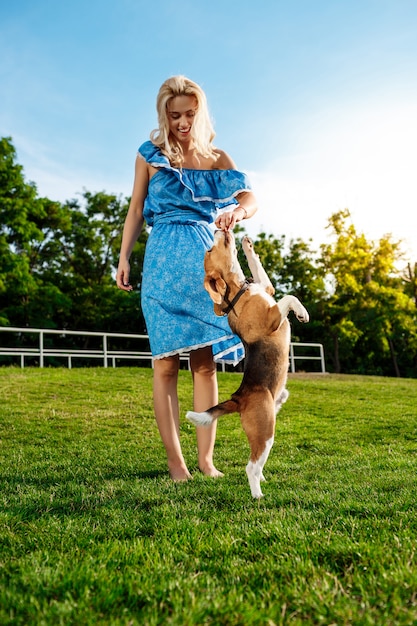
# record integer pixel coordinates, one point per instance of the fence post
(105, 350)
(40, 348)
(323, 365)
(292, 360)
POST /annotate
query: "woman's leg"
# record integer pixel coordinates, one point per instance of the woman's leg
(205, 396)
(165, 397)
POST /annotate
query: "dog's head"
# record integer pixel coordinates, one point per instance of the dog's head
(222, 269)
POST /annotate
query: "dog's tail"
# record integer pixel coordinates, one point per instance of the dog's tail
(207, 417)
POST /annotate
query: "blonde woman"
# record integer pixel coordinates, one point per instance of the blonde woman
(183, 186)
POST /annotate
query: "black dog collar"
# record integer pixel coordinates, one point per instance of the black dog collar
(231, 304)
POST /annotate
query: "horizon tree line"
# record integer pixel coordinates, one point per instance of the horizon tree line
(58, 262)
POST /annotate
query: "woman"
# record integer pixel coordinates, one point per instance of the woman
(183, 184)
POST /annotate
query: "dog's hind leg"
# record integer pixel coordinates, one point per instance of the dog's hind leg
(259, 274)
(254, 470)
(258, 421)
(207, 417)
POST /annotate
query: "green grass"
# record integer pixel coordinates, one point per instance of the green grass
(92, 531)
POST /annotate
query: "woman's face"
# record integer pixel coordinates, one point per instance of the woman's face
(181, 112)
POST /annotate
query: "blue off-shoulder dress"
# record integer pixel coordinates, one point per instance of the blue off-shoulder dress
(180, 208)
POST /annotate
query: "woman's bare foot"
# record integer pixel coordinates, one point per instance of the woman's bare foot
(210, 470)
(179, 473)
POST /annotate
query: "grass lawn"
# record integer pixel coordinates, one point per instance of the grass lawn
(92, 531)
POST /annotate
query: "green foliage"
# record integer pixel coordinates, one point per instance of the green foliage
(58, 262)
(369, 316)
(300, 274)
(92, 531)
(87, 248)
(21, 211)
(410, 279)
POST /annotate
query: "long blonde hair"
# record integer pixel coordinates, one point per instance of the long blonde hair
(202, 130)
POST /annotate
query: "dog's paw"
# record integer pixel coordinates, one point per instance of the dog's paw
(199, 419)
(279, 401)
(255, 475)
(247, 244)
(302, 314)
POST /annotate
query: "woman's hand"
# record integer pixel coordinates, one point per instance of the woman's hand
(229, 219)
(122, 276)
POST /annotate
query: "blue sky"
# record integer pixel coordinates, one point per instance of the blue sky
(316, 100)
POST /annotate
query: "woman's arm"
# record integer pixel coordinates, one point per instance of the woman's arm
(133, 222)
(247, 205)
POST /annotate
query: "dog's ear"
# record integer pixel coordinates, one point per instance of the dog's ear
(273, 318)
(216, 286)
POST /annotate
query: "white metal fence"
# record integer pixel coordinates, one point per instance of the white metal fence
(107, 349)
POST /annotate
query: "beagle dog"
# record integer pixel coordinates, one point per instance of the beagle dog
(262, 324)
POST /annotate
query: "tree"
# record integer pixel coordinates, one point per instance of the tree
(57, 261)
(410, 278)
(23, 234)
(86, 251)
(367, 310)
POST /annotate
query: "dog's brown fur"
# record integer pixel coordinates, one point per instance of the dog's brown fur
(264, 329)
